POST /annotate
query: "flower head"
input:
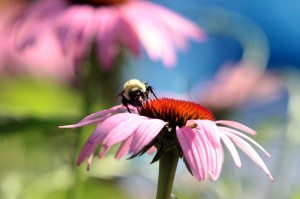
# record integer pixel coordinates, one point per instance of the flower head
(168, 124)
(111, 24)
(246, 83)
(41, 60)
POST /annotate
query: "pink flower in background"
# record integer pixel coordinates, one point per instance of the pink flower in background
(235, 85)
(170, 124)
(110, 24)
(43, 60)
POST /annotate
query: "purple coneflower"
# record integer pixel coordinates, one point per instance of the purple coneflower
(257, 87)
(111, 24)
(44, 60)
(185, 128)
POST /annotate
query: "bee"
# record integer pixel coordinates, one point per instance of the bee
(135, 93)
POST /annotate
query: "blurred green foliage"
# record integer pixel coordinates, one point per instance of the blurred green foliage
(37, 158)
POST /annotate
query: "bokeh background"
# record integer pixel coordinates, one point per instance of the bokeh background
(246, 70)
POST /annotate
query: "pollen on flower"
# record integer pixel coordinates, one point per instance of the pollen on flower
(175, 112)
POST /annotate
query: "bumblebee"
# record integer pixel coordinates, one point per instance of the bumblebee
(135, 93)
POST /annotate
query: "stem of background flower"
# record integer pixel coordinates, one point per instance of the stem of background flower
(102, 84)
(86, 75)
(100, 88)
(167, 169)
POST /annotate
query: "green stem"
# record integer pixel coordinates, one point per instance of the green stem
(167, 169)
(98, 86)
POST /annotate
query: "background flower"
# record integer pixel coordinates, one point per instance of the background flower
(111, 26)
(236, 85)
(43, 60)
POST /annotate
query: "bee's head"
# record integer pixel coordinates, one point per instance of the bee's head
(134, 87)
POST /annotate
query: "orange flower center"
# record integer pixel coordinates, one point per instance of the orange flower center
(99, 2)
(175, 112)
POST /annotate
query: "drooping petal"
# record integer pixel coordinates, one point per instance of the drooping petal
(110, 123)
(193, 151)
(210, 138)
(90, 145)
(153, 37)
(236, 125)
(124, 148)
(245, 137)
(76, 31)
(35, 20)
(89, 162)
(128, 36)
(210, 129)
(203, 147)
(215, 170)
(146, 132)
(230, 146)
(107, 30)
(243, 145)
(101, 132)
(175, 22)
(123, 130)
(151, 150)
(103, 151)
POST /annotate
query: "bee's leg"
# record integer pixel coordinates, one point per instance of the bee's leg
(124, 102)
(150, 89)
(145, 96)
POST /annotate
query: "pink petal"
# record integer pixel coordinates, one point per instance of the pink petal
(210, 129)
(36, 19)
(145, 133)
(152, 34)
(116, 109)
(107, 47)
(155, 40)
(175, 22)
(209, 135)
(245, 137)
(230, 146)
(151, 150)
(78, 32)
(89, 162)
(128, 36)
(124, 148)
(237, 125)
(114, 130)
(123, 130)
(249, 151)
(193, 151)
(220, 160)
(103, 151)
(101, 132)
(203, 147)
(90, 145)
(114, 120)
(65, 28)
(84, 123)
(92, 119)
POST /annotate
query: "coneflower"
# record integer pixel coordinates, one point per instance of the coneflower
(177, 129)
